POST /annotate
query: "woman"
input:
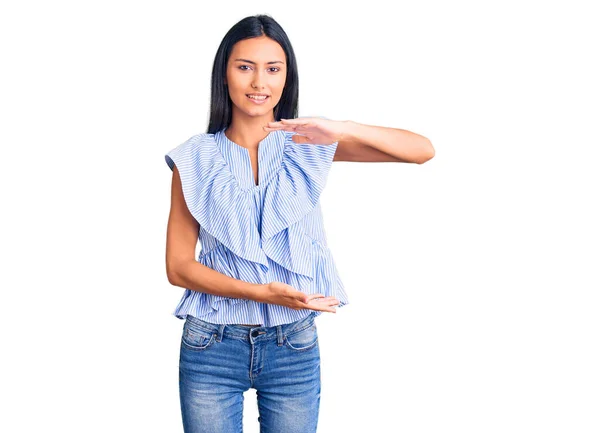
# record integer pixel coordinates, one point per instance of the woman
(248, 189)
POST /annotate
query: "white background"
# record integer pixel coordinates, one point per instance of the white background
(473, 278)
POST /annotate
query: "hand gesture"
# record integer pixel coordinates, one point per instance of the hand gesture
(311, 129)
(283, 294)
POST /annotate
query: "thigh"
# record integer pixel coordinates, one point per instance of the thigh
(211, 382)
(289, 388)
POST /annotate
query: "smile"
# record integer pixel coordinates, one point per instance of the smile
(257, 99)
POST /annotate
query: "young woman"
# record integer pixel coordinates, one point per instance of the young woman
(248, 189)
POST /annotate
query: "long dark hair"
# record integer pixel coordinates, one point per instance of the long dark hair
(251, 27)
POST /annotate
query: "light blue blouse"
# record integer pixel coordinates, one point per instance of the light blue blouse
(272, 231)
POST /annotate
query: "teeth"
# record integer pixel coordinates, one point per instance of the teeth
(257, 97)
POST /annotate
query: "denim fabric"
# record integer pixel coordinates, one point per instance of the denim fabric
(219, 362)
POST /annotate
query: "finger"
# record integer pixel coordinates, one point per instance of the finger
(328, 299)
(298, 121)
(325, 300)
(321, 305)
(304, 128)
(332, 302)
(320, 308)
(314, 296)
(329, 303)
(303, 297)
(328, 309)
(277, 125)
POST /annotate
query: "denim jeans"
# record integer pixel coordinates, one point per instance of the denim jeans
(218, 363)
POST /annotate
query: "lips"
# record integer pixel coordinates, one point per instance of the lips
(258, 101)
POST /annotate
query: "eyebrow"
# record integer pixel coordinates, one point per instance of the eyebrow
(250, 61)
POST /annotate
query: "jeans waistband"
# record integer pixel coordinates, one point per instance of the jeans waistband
(249, 332)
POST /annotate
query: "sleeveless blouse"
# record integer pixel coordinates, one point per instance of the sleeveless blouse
(261, 233)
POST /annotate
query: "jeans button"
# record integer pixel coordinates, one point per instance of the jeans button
(254, 333)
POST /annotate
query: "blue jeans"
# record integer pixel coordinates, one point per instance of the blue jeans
(218, 363)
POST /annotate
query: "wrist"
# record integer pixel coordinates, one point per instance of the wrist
(348, 131)
(255, 292)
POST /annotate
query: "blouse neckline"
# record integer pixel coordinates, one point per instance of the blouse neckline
(238, 162)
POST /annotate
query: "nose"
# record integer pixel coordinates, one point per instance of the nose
(257, 82)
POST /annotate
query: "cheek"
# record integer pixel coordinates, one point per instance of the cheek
(237, 82)
(277, 87)
(281, 82)
(236, 92)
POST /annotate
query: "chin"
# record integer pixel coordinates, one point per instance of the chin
(257, 112)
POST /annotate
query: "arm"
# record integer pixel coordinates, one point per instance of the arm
(367, 143)
(182, 268)
(184, 271)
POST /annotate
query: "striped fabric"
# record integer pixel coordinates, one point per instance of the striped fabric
(272, 231)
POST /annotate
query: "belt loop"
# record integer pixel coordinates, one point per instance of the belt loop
(220, 331)
(279, 335)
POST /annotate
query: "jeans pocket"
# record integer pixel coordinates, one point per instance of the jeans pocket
(304, 339)
(197, 339)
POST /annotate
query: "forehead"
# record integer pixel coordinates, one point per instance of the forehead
(259, 50)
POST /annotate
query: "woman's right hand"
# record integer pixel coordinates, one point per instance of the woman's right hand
(283, 294)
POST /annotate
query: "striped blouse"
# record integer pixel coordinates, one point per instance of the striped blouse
(272, 231)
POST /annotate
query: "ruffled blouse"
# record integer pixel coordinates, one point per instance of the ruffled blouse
(261, 233)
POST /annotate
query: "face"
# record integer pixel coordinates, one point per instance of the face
(256, 65)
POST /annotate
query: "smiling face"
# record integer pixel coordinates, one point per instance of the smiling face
(256, 66)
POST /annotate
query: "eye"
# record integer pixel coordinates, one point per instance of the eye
(273, 69)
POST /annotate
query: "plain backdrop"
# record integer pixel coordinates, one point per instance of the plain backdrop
(473, 278)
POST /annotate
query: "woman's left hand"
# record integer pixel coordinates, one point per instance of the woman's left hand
(311, 130)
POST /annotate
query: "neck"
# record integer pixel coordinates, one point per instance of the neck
(247, 131)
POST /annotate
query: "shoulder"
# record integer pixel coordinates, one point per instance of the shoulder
(190, 148)
(194, 141)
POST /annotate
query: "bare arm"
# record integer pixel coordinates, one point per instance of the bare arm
(182, 268)
(368, 143)
(184, 271)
